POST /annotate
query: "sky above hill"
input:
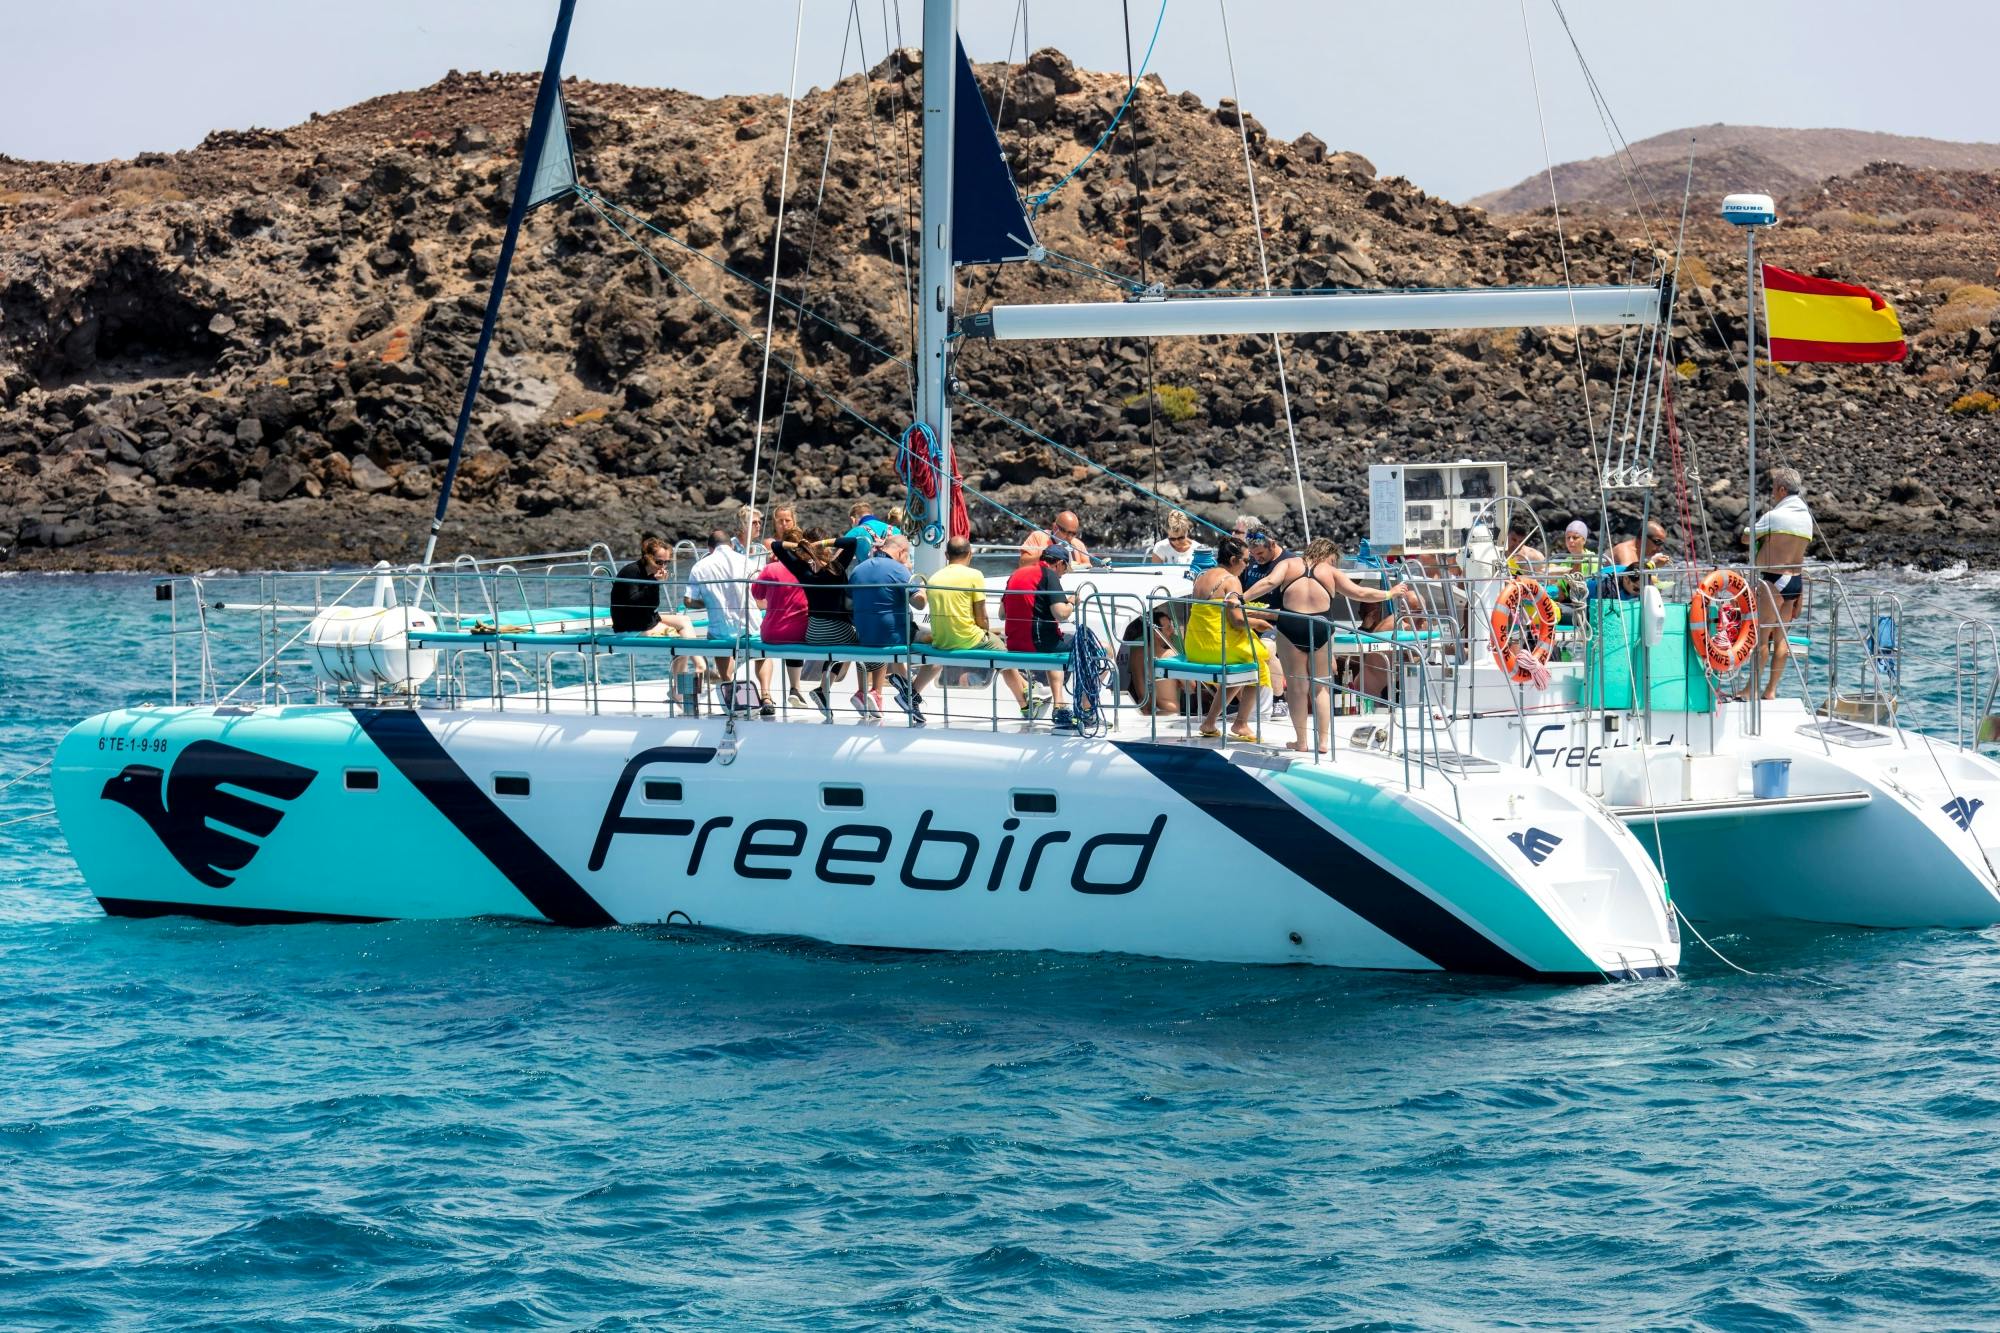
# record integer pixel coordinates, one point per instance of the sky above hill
(1440, 92)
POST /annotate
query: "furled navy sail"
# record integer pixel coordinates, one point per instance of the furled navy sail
(989, 225)
(548, 115)
(555, 173)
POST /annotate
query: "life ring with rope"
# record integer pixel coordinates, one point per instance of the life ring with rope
(1736, 629)
(1524, 604)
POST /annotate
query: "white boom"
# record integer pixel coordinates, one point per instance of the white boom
(1334, 312)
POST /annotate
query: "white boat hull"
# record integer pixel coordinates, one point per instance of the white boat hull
(1900, 831)
(1159, 849)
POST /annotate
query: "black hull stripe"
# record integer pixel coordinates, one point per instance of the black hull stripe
(235, 916)
(1253, 812)
(402, 736)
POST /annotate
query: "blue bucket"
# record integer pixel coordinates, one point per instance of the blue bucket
(1771, 779)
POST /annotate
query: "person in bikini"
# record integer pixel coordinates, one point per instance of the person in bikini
(1305, 586)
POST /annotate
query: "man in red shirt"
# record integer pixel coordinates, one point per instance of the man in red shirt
(1034, 606)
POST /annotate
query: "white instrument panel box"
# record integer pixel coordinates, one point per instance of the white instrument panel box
(1427, 508)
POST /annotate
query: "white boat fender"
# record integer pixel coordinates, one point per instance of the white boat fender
(1652, 616)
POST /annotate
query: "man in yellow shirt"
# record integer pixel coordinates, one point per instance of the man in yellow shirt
(957, 605)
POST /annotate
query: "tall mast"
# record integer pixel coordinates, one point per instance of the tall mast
(934, 281)
(1751, 211)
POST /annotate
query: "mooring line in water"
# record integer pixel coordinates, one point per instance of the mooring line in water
(1682, 918)
(39, 814)
(24, 776)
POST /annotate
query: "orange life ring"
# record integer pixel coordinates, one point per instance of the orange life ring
(1523, 602)
(1736, 632)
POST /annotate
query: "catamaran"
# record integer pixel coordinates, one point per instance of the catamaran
(471, 739)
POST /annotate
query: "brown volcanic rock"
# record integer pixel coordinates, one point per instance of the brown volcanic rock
(254, 351)
(1777, 162)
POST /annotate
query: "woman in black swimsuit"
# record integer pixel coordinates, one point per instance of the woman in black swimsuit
(1306, 586)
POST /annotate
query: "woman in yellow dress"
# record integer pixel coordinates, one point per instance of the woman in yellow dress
(1221, 632)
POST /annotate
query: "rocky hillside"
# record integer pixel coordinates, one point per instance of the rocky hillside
(252, 352)
(1778, 162)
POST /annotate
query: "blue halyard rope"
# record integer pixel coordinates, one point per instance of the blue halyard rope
(1035, 202)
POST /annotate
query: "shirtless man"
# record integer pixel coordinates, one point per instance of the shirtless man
(1782, 534)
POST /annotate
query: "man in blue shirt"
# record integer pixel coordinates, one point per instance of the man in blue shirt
(883, 590)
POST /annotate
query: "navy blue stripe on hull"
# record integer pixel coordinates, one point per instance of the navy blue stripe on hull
(402, 736)
(234, 916)
(1258, 815)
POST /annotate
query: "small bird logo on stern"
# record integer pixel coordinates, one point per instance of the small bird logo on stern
(1962, 810)
(204, 826)
(1535, 844)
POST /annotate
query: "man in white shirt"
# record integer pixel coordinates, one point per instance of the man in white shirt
(720, 581)
(1782, 534)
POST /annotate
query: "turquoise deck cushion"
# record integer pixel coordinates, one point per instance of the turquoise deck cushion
(992, 657)
(1182, 666)
(1678, 679)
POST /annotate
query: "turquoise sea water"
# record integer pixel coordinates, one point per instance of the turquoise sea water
(491, 1125)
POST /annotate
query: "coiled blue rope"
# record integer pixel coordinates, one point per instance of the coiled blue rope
(1089, 666)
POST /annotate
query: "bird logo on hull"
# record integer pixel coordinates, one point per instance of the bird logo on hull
(203, 825)
(1962, 810)
(1535, 844)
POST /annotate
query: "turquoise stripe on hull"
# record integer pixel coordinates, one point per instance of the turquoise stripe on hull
(380, 853)
(1456, 872)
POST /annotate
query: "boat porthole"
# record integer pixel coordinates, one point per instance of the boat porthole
(1297, 938)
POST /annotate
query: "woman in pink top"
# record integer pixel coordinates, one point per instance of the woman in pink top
(777, 591)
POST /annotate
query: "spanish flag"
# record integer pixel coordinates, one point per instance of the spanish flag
(1812, 319)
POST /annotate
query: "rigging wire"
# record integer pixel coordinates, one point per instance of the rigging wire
(1018, 25)
(1562, 250)
(1689, 510)
(1264, 271)
(1139, 230)
(607, 206)
(1621, 150)
(851, 32)
(910, 223)
(1084, 459)
(594, 202)
(1036, 201)
(777, 254)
